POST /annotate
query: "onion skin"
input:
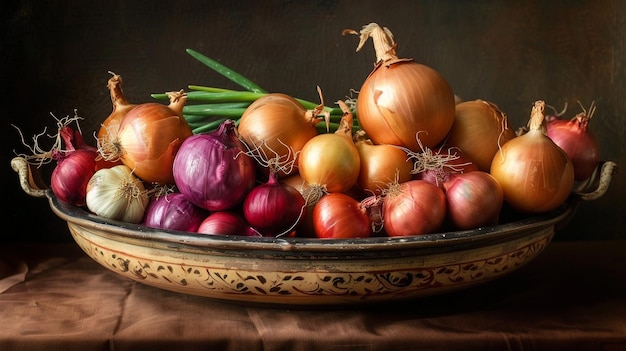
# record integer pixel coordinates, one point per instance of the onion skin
(339, 216)
(473, 200)
(578, 142)
(331, 161)
(116, 193)
(439, 166)
(535, 174)
(213, 171)
(274, 208)
(279, 126)
(479, 129)
(401, 98)
(174, 212)
(71, 175)
(381, 165)
(148, 139)
(415, 207)
(226, 223)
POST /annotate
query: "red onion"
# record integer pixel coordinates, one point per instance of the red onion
(574, 137)
(413, 208)
(71, 174)
(226, 223)
(174, 212)
(213, 171)
(339, 216)
(473, 199)
(274, 208)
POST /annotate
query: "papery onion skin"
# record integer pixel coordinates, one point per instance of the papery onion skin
(331, 161)
(274, 208)
(381, 165)
(115, 193)
(473, 200)
(479, 129)
(71, 175)
(227, 223)
(148, 139)
(401, 98)
(174, 212)
(415, 207)
(339, 216)
(278, 126)
(213, 171)
(535, 174)
(578, 142)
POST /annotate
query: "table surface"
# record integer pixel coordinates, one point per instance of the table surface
(571, 297)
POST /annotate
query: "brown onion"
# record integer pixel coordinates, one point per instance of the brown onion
(148, 138)
(276, 126)
(401, 98)
(479, 129)
(536, 175)
(381, 165)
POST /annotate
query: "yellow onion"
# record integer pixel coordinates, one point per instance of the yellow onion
(148, 139)
(329, 162)
(275, 127)
(401, 98)
(479, 130)
(535, 174)
(381, 165)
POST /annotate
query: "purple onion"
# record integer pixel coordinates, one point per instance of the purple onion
(213, 171)
(174, 212)
(274, 208)
(227, 223)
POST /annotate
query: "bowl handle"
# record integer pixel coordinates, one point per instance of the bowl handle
(596, 185)
(30, 179)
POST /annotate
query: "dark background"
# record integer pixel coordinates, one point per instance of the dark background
(55, 58)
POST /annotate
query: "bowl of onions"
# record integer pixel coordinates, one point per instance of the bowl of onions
(309, 271)
(246, 196)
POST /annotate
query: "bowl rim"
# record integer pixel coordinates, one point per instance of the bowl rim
(140, 233)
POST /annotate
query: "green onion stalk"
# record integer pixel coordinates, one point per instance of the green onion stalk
(207, 107)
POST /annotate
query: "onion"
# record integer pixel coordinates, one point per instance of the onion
(274, 208)
(329, 162)
(174, 212)
(413, 208)
(226, 223)
(401, 98)
(116, 193)
(578, 142)
(148, 139)
(120, 107)
(380, 165)
(71, 174)
(76, 163)
(473, 200)
(339, 216)
(479, 129)
(536, 175)
(213, 171)
(277, 125)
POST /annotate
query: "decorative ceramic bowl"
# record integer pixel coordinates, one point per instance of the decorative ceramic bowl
(308, 271)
